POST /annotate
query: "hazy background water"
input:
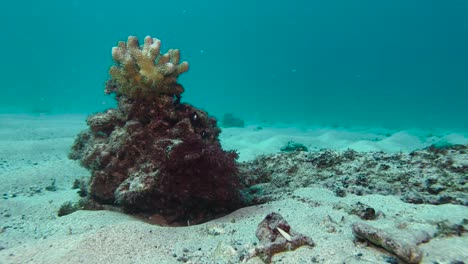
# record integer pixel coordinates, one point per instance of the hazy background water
(396, 64)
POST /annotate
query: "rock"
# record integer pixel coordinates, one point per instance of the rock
(407, 251)
(276, 235)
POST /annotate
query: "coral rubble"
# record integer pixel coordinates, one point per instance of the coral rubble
(407, 251)
(293, 146)
(432, 175)
(152, 153)
(276, 235)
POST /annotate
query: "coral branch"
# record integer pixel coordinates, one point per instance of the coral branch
(143, 72)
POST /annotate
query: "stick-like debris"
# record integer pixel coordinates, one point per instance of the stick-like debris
(408, 252)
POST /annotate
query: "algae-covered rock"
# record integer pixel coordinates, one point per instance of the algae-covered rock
(154, 154)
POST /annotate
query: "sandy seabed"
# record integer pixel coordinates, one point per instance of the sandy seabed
(33, 157)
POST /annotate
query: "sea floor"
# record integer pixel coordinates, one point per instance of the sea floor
(36, 179)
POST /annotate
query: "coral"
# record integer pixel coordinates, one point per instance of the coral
(154, 154)
(293, 146)
(142, 72)
(66, 208)
(83, 204)
(444, 228)
(407, 251)
(276, 235)
(432, 176)
(363, 211)
(82, 187)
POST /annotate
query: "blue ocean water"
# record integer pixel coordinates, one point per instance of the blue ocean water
(397, 64)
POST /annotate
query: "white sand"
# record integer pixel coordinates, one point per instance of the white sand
(33, 151)
(251, 142)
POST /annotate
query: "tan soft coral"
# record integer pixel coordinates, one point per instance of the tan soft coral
(143, 72)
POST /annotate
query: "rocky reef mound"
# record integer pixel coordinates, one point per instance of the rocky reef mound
(154, 154)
